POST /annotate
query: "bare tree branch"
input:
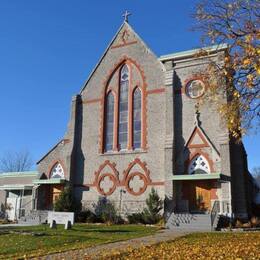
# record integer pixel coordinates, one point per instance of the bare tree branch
(16, 162)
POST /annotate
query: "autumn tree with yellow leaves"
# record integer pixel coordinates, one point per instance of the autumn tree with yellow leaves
(236, 23)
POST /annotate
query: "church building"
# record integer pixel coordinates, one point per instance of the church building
(137, 124)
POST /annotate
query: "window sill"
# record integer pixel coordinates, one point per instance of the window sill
(137, 151)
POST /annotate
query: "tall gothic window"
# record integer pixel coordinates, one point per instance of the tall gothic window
(137, 103)
(123, 108)
(198, 165)
(109, 133)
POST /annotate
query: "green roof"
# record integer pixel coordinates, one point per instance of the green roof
(185, 54)
(49, 181)
(192, 177)
(18, 174)
(16, 187)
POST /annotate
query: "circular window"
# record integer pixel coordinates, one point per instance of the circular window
(195, 88)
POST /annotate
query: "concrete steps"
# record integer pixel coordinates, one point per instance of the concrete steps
(189, 222)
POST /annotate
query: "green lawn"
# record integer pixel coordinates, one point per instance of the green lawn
(40, 240)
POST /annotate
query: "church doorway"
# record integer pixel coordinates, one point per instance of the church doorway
(199, 197)
(55, 192)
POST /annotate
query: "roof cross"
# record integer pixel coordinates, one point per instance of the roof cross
(125, 15)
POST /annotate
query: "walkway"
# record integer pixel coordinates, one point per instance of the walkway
(94, 252)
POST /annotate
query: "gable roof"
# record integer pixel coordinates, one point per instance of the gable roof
(124, 24)
(205, 141)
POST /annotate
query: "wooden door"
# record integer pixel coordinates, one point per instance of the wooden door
(199, 197)
(202, 198)
(56, 191)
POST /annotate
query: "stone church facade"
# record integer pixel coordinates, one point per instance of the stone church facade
(136, 125)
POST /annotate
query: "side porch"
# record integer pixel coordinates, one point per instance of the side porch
(200, 200)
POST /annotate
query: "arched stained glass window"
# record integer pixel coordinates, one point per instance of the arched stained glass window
(123, 107)
(109, 133)
(57, 171)
(137, 103)
(198, 165)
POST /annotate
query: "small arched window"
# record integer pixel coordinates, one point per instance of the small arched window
(199, 165)
(109, 132)
(137, 103)
(57, 171)
(123, 107)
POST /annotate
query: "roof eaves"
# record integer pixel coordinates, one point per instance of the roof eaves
(18, 174)
(95, 68)
(190, 53)
(50, 150)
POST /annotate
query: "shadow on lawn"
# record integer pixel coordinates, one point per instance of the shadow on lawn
(103, 231)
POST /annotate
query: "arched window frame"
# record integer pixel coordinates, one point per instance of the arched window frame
(134, 89)
(109, 92)
(53, 165)
(141, 85)
(205, 159)
(119, 85)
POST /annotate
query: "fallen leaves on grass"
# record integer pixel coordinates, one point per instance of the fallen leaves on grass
(198, 246)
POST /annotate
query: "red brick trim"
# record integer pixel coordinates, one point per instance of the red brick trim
(144, 175)
(66, 141)
(112, 189)
(123, 39)
(155, 91)
(130, 177)
(99, 176)
(123, 44)
(91, 101)
(157, 183)
(143, 166)
(197, 76)
(202, 137)
(53, 164)
(130, 62)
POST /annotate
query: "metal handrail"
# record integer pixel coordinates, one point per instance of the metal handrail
(214, 212)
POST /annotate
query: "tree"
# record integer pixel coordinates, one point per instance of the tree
(235, 22)
(151, 213)
(66, 201)
(16, 162)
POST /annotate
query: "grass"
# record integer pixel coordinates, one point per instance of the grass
(21, 242)
(217, 245)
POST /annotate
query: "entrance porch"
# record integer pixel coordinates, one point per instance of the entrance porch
(48, 192)
(197, 193)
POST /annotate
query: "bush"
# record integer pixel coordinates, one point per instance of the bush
(86, 216)
(136, 218)
(106, 212)
(154, 204)
(151, 214)
(66, 201)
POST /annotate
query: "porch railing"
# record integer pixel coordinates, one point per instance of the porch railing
(214, 213)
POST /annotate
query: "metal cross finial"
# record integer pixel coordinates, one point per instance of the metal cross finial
(125, 15)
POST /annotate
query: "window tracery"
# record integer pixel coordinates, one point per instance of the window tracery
(198, 165)
(109, 138)
(57, 171)
(123, 112)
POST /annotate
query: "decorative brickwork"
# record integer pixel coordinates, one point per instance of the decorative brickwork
(142, 86)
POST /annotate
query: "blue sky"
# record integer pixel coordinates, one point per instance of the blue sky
(48, 48)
